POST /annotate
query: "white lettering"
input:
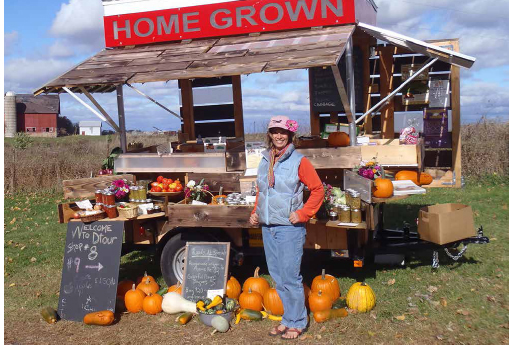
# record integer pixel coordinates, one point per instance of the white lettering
(186, 20)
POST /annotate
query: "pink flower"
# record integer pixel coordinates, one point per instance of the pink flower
(370, 174)
(292, 125)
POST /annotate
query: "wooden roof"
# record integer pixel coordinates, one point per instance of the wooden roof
(205, 58)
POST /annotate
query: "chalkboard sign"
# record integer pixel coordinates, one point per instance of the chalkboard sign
(324, 91)
(205, 270)
(90, 269)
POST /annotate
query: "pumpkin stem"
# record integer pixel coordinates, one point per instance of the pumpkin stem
(134, 287)
(145, 274)
(319, 292)
(250, 290)
(256, 272)
(323, 273)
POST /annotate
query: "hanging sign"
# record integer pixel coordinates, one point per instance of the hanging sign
(222, 19)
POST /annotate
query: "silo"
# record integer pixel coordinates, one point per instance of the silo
(10, 114)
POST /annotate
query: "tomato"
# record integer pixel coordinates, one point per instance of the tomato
(170, 181)
(154, 184)
(165, 186)
(152, 189)
(177, 181)
(159, 179)
(178, 188)
(171, 190)
(166, 190)
(160, 185)
(157, 189)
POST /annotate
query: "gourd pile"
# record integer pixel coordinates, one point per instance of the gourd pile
(254, 301)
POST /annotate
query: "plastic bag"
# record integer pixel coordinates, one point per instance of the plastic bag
(409, 135)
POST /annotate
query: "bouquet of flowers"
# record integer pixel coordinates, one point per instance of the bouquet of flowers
(120, 188)
(333, 196)
(198, 191)
(370, 170)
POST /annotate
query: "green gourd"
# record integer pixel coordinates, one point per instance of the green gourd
(220, 324)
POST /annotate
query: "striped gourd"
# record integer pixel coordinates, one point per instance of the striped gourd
(360, 297)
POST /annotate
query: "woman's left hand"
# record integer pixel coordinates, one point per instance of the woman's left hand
(294, 218)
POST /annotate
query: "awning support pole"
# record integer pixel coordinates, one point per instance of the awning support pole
(85, 104)
(156, 102)
(98, 106)
(393, 93)
(350, 81)
(121, 118)
(342, 93)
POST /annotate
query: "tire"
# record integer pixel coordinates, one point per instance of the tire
(172, 257)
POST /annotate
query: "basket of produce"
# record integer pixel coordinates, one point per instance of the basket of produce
(128, 211)
(90, 215)
(208, 309)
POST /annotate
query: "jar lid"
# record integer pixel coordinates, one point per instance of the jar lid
(346, 207)
(107, 192)
(156, 208)
(140, 187)
(355, 210)
(332, 213)
(134, 188)
(355, 193)
(99, 191)
(109, 206)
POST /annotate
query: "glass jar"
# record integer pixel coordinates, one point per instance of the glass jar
(150, 210)
(344, 214)
(348, 197)
(142, 193)
(108, 198)
(111, 211)
(356, 215)
(355, 200)
(333, 215)
(133, 193)
(99, 196)
(157, 209)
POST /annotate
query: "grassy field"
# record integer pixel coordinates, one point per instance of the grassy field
(464, 302)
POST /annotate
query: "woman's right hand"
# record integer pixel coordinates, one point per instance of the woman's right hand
(254, 219)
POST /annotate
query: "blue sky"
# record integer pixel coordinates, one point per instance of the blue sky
(43, 39)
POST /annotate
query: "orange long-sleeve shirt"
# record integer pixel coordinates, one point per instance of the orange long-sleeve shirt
(308, 176)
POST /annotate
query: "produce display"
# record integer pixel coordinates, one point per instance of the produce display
(166, 185)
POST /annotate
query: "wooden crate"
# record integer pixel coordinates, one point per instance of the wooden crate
(86, 187)
(390, 153)
(209, 216)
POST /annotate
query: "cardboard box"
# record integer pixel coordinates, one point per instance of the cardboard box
(445, 223)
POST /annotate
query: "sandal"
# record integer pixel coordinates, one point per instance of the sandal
(276, 331)
(295, 330)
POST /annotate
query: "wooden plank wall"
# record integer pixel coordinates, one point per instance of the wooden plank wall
(86, 187)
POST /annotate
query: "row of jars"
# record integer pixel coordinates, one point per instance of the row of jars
(353, 198)
(137, 193)
(345, 214)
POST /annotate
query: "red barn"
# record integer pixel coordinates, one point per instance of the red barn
(37, 116)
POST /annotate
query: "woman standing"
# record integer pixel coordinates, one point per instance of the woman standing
(280, 210)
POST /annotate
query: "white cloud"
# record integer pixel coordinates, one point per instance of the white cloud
(80, 22)
(60, 49)
(23, 75)
(10, 42)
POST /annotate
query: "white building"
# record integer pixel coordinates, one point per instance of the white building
(90, 127)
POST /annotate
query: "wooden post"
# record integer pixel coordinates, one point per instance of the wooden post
(121, 118)
(238, 113)
(186, 89)
(366, 81)
(314, 116)
(386, 86)
(456, 119)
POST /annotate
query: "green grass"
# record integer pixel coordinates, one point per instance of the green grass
(460, 302)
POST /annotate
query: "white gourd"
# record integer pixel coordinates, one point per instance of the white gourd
(220, 324)
(174, 303)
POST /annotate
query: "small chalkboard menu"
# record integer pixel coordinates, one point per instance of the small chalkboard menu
(205, 270)
(90, 269)
(323, 88)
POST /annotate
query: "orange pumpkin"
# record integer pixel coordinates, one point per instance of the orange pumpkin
(408, 175)
(272, 303)
(176, 288)
(327, 284)
(148, 286)
(251, 300)
(145, 277)
(325, 315)
(338, 139)
(100, 318)
(134, 299)
(425, 178)
(233, 288)
(256, 283)
(123, 287)
(152, 304)
(383, 188)
(319, 301)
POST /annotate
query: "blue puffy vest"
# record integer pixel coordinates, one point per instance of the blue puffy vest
(275, 204)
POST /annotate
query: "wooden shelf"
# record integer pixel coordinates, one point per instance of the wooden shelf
(121, 219)
(334, 224)
(392, 198)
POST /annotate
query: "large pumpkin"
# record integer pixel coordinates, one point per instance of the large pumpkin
(251, 300)
(152, 304)
(383, 188)
(272, 302)
(256, 283)
(425, 178)
(360, 297)
(327, 284)
(134, 300)
(319, 301)
(148, 286)
(233, 288)
(123, 287)
(338, 139)
(408, 175)
(176, 288)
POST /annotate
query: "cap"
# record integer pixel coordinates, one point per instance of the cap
(284, 122)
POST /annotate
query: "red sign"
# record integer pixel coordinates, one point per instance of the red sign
(223, 19)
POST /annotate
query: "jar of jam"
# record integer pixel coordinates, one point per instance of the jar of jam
(157, 209)
(150, 210)
(108, 198)
(356, 200)
(111, 211)
(348, 197)
(142, 193)
(99, 196)
(356, 215)
(344, 214)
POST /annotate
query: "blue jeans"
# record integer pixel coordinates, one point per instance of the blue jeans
(284, 245)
